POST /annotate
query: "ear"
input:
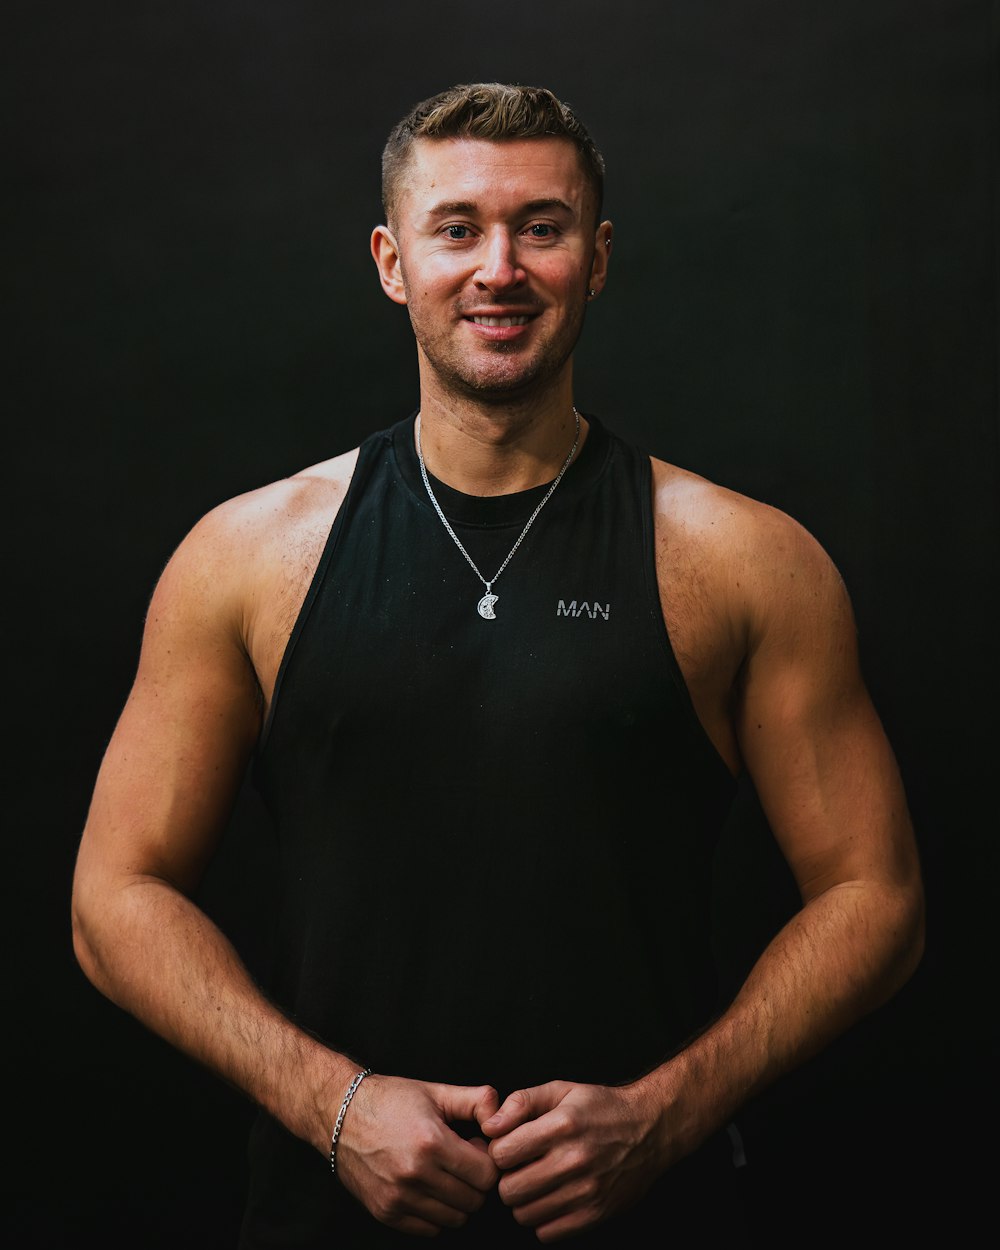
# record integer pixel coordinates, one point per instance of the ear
(602, 254)
(385, 251)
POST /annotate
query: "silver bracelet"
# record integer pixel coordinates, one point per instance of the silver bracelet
(340, 1117)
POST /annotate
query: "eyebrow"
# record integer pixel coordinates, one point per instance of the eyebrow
(446, 207)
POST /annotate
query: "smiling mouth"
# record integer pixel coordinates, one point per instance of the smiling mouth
(499, 321)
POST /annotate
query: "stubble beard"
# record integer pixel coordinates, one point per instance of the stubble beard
(491, 374)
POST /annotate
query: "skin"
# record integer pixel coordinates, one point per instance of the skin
(765, 637)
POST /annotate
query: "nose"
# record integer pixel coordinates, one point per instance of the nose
(498, 269)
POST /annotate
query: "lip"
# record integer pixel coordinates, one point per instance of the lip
(500, 324)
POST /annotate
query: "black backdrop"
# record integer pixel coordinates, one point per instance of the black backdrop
(802, 306)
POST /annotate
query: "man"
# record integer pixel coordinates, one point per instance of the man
(497, 672)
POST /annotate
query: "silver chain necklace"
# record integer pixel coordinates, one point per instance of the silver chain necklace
(485, 605)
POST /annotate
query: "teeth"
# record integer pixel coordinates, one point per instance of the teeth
(500, 321)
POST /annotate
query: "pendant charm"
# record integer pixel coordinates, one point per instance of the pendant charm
(485, 607)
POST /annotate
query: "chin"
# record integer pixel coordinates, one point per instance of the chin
(500, 389)
(504, 376)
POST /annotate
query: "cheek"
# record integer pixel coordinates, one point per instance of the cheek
(564, 278)
(432, 278)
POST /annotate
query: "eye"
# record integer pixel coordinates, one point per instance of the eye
(541, 230)
(458, 232)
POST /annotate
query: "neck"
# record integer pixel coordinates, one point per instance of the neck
(496, 449)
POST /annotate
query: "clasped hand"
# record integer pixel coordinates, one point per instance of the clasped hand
(564, 1156)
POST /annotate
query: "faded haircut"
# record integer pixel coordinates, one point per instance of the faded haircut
(487, 110)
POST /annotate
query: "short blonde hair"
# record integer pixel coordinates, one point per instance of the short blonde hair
(488, 110)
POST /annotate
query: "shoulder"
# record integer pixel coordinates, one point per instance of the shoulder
(712, 515)
(270, 518)
(239, 548)
(233, 586)
(281, 506)
(764, 565)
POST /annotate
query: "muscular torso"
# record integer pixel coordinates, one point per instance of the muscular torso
(700, 588)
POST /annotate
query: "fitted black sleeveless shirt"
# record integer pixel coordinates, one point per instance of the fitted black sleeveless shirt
(495, 836)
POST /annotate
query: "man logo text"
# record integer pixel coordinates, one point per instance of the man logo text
(593, 610)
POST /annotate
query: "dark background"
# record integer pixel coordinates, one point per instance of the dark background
(802, 306)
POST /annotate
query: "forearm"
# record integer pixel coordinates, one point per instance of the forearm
(154, 953)
(841, 956)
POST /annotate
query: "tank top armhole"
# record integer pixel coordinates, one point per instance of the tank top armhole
(367, 457)
(656, 609)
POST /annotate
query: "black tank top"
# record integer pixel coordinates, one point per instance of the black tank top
(495, 836)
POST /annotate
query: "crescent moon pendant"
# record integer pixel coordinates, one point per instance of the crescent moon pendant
(485, 607)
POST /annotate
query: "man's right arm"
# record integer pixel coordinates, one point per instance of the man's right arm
(164, 792)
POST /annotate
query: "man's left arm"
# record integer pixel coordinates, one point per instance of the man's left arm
(829, 784)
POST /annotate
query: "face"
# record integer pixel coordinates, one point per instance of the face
(493, 250)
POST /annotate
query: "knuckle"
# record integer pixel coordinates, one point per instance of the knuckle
(423, 1142)
(409, 1171)
(388, 1208)
(564, 1120)
(576, 1159)
(590, 1191)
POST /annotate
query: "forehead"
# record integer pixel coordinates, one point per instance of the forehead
(493, 176)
